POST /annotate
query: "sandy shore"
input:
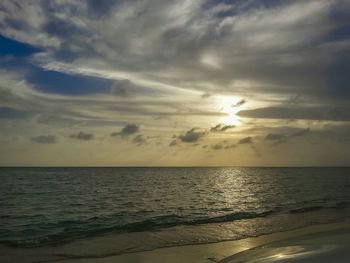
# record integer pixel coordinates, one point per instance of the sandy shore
(204, 253)
(217, 251)
(324, 247)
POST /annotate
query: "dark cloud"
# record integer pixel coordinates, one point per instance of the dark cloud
(275, 137)
(173, 143)
(192, 135)
(282, 138)
(120, 88)
(82, 136)
(206, 95)
(239, 103)
(127, 130)
(246, 140)
(230, 146)
(221, 128)
(301, 132)
(217, 146)
(222, 146)
(139, 140)
(293, 100)
(101, 7)
(299, 113)
(45, 139)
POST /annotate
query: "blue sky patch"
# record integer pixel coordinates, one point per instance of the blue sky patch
(66, 84)
(15, 48)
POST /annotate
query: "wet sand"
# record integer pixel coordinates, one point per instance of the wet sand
(330, 246)
(217, 251)
(204, 253)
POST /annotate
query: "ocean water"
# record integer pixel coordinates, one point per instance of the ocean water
(146, 208)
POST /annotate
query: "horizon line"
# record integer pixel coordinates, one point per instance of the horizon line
(159, 166)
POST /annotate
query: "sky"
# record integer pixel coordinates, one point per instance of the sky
(175, 83)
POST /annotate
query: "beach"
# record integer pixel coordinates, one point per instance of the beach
(203, 253)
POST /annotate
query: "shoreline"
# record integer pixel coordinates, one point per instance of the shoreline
(197, 253)
(216, 252)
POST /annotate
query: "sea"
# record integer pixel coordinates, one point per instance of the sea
(122, 210)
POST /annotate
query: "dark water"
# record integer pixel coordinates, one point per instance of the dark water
(39, 206)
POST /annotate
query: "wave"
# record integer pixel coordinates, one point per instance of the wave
(174, 220)
(72, 230)
(340, 205)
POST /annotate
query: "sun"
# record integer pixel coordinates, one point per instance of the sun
(227, 105)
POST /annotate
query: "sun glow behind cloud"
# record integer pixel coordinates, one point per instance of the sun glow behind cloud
(227, 106)
(210, 61)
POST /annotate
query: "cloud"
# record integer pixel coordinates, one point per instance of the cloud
(206, 95)
(163, 48)
(301, 132)
(217, 146)
(45, 139)
(221, 128)
(139, 140)
(120, 88)
(299, 113)
(239, 103)
(82, 136)
(176, 41)
(246, 140)
(173, 143)
(294, 100)
(230, 146)
(275, 137)
(282, 138)
(192, 135)
(128, 129)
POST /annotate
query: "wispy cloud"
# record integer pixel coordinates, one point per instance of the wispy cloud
(282, 138)
(246, 140)
(299, 113)
(45, 139)
(275, 137)
(283, 50)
